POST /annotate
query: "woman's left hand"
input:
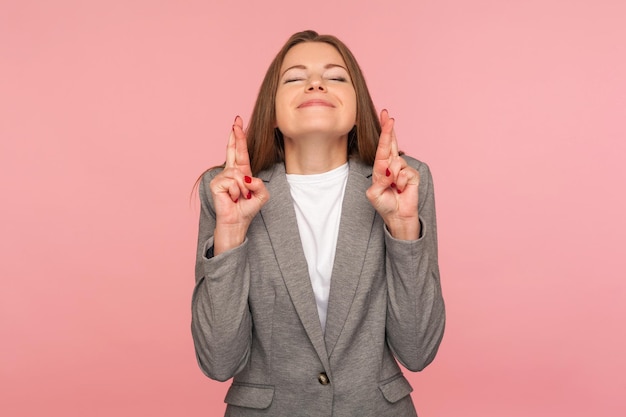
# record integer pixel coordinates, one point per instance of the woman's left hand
(395, 184)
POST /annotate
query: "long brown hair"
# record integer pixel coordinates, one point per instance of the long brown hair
(265, 141)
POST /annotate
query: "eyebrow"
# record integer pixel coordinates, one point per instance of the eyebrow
(327, 66)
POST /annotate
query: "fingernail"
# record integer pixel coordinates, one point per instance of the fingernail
(249, 196)
(247, 179)
(236, 119)
(393, 185)
(387, 172)
(399, 191)
(236, 200)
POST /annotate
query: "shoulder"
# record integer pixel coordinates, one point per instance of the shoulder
(414, 162)
(203, 184)
(210, 173)
(420, 166)
(366, 169)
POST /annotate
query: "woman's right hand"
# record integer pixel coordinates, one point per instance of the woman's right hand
(237, 195)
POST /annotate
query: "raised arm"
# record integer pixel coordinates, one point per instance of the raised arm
(402, 193)
(221, 322)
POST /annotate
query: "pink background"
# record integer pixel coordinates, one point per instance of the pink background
(109, 110)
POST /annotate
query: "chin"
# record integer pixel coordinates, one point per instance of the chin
(317, 128)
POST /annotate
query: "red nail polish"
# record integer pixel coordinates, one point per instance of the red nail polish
(236, 200)
(399, 191)
(387, 172)
(247, 179)
(249, 196)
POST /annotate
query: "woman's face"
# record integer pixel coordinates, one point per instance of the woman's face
(315, 93)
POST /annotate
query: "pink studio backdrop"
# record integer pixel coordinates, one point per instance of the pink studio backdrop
(109, 110)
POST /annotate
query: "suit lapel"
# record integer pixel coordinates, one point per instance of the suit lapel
(280, 220)
(357, 216)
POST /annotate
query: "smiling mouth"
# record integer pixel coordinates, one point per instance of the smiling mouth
(311, 103)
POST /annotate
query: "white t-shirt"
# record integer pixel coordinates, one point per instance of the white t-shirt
(317, 199)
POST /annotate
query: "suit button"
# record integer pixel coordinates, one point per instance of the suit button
(323, 378)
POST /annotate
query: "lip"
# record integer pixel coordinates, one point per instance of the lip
(315, 102)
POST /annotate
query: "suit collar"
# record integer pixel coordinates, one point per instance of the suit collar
(357, 216)
(280, 220)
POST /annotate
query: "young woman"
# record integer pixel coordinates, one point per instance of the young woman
(317, 264)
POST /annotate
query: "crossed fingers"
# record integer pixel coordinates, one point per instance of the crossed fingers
(387, 143)
(237, 149)
(389, 167)
(237, 172)
(391, 173)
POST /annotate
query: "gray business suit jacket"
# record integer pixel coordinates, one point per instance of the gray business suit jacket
(254, 316)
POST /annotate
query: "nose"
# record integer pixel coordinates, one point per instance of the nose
(316, 84)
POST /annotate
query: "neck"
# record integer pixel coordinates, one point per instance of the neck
(315, 155)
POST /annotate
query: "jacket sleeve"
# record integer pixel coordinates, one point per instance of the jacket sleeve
(415, 308)
(221, 324)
